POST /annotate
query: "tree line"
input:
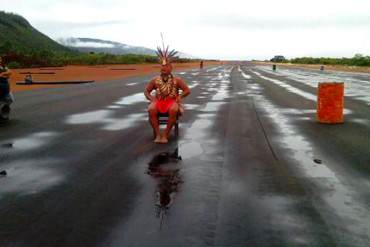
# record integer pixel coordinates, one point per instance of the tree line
(357, 60)
(17, 57)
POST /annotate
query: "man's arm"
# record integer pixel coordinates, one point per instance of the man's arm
(148, 89)
(184, 88)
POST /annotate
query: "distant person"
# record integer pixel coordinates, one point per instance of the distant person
(167, 99)
(28, 79)
(4, 80)
(201, 65)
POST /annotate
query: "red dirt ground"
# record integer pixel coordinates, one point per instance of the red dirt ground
(98, 73)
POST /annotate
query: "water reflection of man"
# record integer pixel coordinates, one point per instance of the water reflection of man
(167, 99)
(4, 77)
(164, 167)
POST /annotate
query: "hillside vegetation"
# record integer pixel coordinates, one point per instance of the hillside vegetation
(357, 60)
(21, 45)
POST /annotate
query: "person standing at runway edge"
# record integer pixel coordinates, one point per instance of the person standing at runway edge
(4, 83)
(167, 98)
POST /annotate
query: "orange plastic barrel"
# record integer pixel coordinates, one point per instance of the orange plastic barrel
(330, 102)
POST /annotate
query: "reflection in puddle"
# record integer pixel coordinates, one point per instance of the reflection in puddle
(165, 169)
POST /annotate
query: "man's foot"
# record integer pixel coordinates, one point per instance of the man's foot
(158, 139)
(164, 140)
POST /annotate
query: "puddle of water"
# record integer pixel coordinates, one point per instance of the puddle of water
(132, 84)
(212, 69)
(360, 121)
(191, 106)
(221, 95)
(291, 111)
(290, 88)
(89, 117)
(132, 99)
(114, 107)
(198, 130)
(115, 124)
(212, 106)
(30, 142)
(29, 177)
(246, 76)
(105, 117)
(194, 85)
(305, 118)
(191, 149)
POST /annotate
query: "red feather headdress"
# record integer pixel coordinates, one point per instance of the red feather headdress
(165, 56)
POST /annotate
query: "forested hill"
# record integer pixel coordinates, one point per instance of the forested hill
(18, 36)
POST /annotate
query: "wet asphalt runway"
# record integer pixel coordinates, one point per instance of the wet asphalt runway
(251, 166)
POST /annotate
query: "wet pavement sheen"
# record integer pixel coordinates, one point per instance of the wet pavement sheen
(251, 167)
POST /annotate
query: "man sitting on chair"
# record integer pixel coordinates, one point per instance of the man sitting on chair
(167, 99)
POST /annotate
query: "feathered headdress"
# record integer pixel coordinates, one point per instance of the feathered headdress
(165, 56)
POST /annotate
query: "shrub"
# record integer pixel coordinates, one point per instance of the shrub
(14, 65)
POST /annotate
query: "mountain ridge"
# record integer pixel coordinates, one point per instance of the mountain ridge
(107, 46)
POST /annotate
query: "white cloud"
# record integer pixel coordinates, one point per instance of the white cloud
(234, 29)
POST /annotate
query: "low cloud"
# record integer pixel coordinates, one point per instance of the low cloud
(283, 23)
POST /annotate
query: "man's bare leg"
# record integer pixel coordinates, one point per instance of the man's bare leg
(153, 118)
(173, 111)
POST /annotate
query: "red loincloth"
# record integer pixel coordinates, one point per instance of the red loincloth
(163, 105)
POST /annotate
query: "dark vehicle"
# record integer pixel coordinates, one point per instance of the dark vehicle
(278, 58)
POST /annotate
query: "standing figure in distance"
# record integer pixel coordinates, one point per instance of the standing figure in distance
(4, 83)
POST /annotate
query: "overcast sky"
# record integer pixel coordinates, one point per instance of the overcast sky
(232, 29)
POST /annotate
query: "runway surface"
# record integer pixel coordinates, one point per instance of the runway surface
(256, 169)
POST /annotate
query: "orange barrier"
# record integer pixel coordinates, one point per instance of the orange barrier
(330, 102)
